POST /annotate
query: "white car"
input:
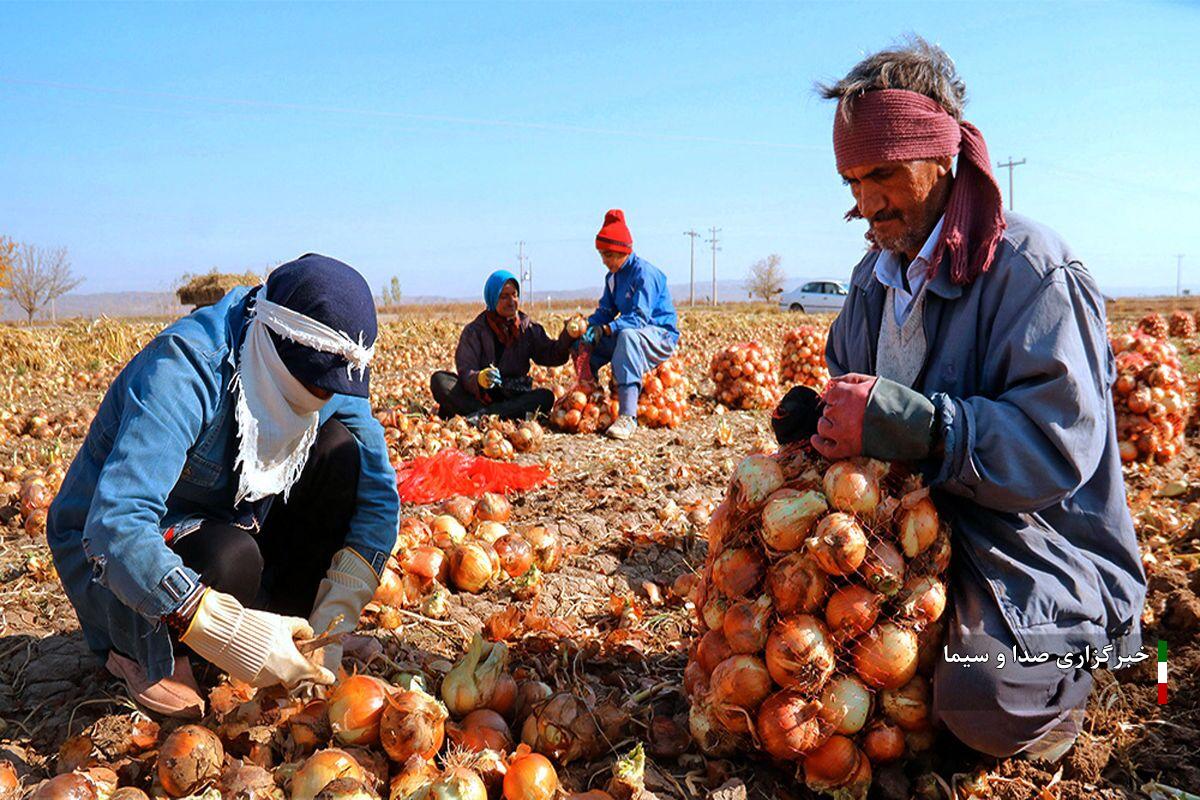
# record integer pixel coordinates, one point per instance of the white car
(816, 297)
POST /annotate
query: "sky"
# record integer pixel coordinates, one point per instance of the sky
(426, 140)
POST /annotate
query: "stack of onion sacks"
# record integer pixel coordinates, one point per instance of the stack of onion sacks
(1154, 324)
(1150, 397)
(745, 376)
(663, 402)
(803, 359)
(819, 611)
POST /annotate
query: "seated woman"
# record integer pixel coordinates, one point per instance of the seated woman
(493, 357)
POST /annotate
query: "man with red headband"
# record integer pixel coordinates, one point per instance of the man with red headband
(973, 342)
(634, 326)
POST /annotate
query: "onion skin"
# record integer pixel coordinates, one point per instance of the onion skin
(425, 561)
(355, 707)
(482, 729)
(190, 758)
(471, 568)
(839, 545)
(712, 650)
(788, 725)
(462, 509)
(846, 704)
(907, 706)
(530, 776)
(739, 684)
(886, 657)
(547, 548)
(132, 793)
(563, 729)
(471, 683)
(797, 584)
(416, 774)
(345, 789)
(504, 696)
(320, 769)
(493, 507)
(737, 571)
(713, 612)
(831, 765)
(883, 568)
(529, 694)
(458, 783)
(710, 736)
(798, 653)
(787, 520)
(516, 556)
(883, 742)
(918, 523)
(852, 610)
(747, 625)
(412, 724)
(852, 486)
(695, 679)
(68, 786)
(923, 599)
(755, 479)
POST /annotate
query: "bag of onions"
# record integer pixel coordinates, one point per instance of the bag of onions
(1150, 397)
(803, 359)
(819, 609)
(663, 402)
(1183, 324)
(745, 376)
(1154, 324)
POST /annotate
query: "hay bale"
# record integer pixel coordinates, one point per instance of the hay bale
(204, 290)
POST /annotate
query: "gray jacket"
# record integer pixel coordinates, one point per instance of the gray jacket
(1020, 372)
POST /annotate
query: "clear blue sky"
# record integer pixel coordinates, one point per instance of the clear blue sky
(425, 140)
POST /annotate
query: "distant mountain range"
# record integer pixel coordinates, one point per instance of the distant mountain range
(164, 304)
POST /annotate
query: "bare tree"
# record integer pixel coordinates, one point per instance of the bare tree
(765, 277)
(40, 276)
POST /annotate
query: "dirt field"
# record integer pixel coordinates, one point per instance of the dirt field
(632, 518)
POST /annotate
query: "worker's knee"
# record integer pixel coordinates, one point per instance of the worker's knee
(543, 400)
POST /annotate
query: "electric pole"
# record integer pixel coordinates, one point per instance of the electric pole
(1011, 164)
(692, 293)
(522, 274)
(713, 241)
(1178, 274)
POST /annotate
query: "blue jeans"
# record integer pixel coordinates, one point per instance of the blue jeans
(633, 352)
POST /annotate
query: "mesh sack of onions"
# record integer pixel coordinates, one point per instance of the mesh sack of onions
(1154, 324)
(745, 376)
(1183, 324)
(803, 359)
(585, 407)
(663, 402)
(820, 613)
(1150, 396)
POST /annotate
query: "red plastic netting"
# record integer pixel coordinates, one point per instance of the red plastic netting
(452, 472)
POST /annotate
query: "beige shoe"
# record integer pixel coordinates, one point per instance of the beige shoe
(623, 428)
(177, 696)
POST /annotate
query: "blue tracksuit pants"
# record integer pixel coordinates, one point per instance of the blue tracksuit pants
(633, 352)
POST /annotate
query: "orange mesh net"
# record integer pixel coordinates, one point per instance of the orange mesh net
(452, 472)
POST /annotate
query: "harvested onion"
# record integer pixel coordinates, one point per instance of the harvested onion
(737, 687)
(321, 769)
(797, 584)
(846, 704)
(482, 729)
(918, 523)
(799, 654)
(852, 610)
(471, 683)
(471, 567)
(738, 570)
(355, 708)
(907, 706)
(839, 544)
(747, 625)
(852, 486)
(755, 479)
(189, 759)
(787, 520)
(833, 764)
(788, 725)
(516, 556)
(883, 742)
(530, 776)
(923, 599)
(413, 723)
(886, 658)
(493, 507)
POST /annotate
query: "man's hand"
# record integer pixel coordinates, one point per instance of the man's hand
(840, 429)
(490, 377)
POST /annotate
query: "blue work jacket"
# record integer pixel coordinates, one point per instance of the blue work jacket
(636, 296)
(159, 455)
(1020, 369)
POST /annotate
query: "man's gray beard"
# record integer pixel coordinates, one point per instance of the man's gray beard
(909, 241)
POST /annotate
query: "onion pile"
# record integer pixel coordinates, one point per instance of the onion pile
(411, 435)
(803, 359)
(1183, 324)
(745, 376)
(822, 592)
(1154, 324)
(1150, 396)
(584, 410)
(663, 402)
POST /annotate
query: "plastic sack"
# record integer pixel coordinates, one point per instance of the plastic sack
(451, 472)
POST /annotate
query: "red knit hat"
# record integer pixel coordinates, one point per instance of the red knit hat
(614, 235)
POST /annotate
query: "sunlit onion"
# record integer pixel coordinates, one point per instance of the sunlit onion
(852, 486)
(458, 783)
(737, 687)
(547, 548)
(516, 556)
(846, 704)
(886, 657)
(755, 478)
(747, 625)
(799, 654)
(530, 776)
(449, 527)
(923, 599)
(737, 571)
(461, 508)
(355, 708)
(918, 524)
(413, 723)
(787, 520)
(714, 611)
(493, 507)
(471, 568)
(321, 769)
(713, 649)
(426, 561)
(883, 568)
(839, 544)
(852, 610)
(788, 725)
(189, 759)
(831, 765)
(482, 729)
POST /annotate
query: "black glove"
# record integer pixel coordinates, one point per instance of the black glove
(795, 418)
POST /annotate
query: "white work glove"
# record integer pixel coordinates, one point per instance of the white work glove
(347, 588)
(256, 647)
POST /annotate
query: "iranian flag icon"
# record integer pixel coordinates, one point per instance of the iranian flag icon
(1162, 672)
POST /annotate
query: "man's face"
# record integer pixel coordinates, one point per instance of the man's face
(901, 200)
(509, 301)
(612, 259)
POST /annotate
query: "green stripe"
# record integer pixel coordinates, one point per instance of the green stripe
(1162, 650)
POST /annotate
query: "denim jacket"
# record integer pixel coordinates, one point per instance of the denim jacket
(1020, 371)
(159, 455)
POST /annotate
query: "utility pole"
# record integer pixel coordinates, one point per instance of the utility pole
(1178, 274)
(692, 293)
(713, 241)
(521, 276)
(1011, 164)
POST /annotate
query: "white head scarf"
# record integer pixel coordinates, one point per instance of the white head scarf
(277, 417)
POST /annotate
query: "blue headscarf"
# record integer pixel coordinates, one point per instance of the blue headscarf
(332, 293)
(495, 284)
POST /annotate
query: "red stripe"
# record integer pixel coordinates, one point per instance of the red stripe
(1162, 694)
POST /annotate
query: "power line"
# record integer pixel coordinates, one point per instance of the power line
(713, 241)
(692, 284)
(1011, 164)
